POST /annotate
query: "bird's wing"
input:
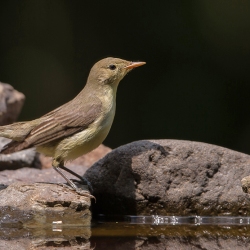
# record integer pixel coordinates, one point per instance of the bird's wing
(59, 124)
(64, 121)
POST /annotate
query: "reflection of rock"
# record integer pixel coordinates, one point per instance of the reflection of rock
(173, 243)
(11, 102)
(67, 238)
(170, 177)
(147, 237)
(48, 243)
(41, 204)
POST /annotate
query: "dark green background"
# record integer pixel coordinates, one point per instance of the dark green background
(195, 86)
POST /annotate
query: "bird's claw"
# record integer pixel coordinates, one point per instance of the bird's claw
(84, 181)
(78, 190)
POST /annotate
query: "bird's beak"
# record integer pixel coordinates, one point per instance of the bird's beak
(134, 65)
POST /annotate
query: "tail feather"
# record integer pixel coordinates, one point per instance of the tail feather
(17, 131)
(14, 146)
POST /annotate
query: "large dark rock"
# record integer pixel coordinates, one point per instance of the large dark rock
(11, 103)
(170, 177)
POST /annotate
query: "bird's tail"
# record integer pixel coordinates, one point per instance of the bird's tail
(13, 147)
(17, 132)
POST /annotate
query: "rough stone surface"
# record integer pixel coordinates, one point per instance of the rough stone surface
(11, 103)
(245, 182)
(24, 158)
(32, 175)
(41, 204)
(170, 177)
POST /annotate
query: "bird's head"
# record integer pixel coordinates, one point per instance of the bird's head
(110, 71)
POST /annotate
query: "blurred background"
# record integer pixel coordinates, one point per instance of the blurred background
(195, 85)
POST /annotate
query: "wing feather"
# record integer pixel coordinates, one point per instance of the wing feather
(62, 122)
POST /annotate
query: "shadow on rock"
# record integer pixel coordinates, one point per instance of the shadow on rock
(116, 178)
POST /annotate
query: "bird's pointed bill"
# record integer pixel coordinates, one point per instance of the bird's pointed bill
(135, 65)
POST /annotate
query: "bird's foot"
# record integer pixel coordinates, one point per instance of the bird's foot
(85, 182)
(85, 193)
(78, 190)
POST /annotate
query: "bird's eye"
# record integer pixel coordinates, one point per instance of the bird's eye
(112, 67)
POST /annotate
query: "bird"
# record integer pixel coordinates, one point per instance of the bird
(78, 126)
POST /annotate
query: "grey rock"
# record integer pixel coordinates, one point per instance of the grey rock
(28, 205)
(24, 158)
(170, 177)
(43, 216)
(11, 103)
(245, 182)
(32, 175)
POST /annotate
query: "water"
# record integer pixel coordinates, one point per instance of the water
(134, 232)
(180, 220)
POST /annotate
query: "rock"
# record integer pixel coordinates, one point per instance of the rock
(11, 103)
(24, 158)
(29, 205)
(43, 216)
(245, 182)
(32, 175)
(170, 177)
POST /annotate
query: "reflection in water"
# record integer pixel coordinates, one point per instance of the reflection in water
(195, 220)
(54, 237)
(171, 232)
(134, 232)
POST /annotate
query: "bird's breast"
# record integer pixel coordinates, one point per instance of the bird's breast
(88, 139)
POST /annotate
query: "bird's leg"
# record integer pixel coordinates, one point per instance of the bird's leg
(84, 180)
(57, 165)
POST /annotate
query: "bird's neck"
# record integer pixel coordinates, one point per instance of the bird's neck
(105, 93)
